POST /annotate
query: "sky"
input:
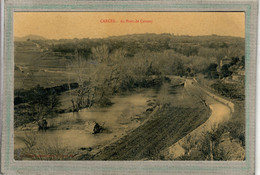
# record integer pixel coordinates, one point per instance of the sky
(58, 25)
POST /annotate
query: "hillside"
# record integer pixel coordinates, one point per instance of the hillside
(192, 53)
(29, 37)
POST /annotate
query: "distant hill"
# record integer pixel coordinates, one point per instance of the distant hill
(30, 37)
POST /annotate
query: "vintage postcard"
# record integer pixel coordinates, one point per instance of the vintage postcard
(129, 87)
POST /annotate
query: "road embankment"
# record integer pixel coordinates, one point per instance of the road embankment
(221, 111)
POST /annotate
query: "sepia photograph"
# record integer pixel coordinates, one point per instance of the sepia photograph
(129, 86)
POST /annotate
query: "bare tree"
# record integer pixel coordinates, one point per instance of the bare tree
(108, 74)
(80, 71)
(29, 139)
(101, 53)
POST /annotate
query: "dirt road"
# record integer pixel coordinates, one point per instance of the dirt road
(221, 111)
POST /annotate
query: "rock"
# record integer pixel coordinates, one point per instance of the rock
(97, 129)
(89, 126)
(93, 127)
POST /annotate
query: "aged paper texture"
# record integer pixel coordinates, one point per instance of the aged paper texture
(128, 87)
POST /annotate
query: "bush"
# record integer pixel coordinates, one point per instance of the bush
(44, 149)
(105, 101)
(233, 91)
(36, 103)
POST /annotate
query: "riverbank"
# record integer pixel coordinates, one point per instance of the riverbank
(70, 132)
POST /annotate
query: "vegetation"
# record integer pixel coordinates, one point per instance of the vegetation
(217, 144)
(92, 71)
(35, 104)
(40, 149)
(231, 90)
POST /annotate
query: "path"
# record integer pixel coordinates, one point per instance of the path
(221, 111)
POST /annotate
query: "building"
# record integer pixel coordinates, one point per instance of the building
(224, 61)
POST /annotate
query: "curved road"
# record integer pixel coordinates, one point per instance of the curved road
(220, 112)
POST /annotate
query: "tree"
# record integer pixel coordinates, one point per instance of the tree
(242, 62)
(234, 60)
(42, 102)
(178, 67)
(212, 71)
(209, 144)
(108, 74)
(101, 53)
(53, 101)
(79, 70)
(225, 72)
(38, 101)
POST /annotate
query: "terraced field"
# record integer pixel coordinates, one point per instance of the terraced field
(34, 66)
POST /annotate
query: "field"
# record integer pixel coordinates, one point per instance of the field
(33, 67)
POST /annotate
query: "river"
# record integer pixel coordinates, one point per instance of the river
(72, 131)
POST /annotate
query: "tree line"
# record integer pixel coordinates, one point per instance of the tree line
(101, 68)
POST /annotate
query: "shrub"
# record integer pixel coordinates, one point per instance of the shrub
(231, 90)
